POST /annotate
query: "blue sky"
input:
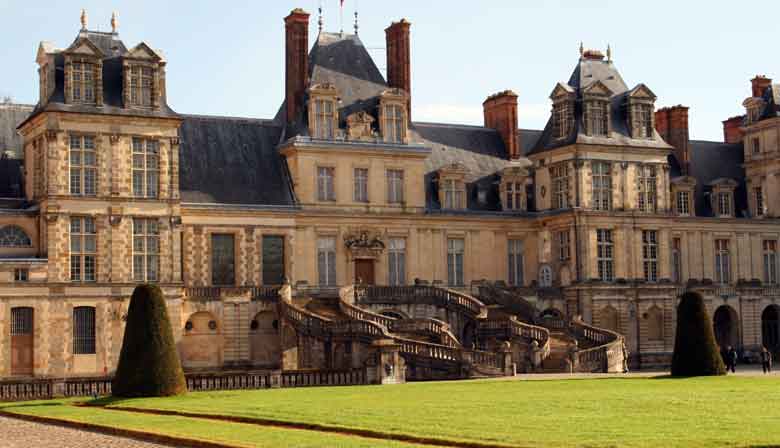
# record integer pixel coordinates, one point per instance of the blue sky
(227, 58)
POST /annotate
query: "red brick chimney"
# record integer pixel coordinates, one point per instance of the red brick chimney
(759, 85)
(296, 27)
(501, 114)
(399, 70)
(672, 124)
(731, 129)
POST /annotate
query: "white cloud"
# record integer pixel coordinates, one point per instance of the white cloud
(529, 115)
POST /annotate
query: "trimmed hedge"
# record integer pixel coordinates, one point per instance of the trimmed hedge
(695, 350)
(149, 363)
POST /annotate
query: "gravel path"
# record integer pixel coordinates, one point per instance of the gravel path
(21, 434)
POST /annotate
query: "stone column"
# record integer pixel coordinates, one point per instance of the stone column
(390, 368)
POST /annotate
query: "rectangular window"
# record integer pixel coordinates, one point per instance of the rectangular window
(770, 261)
(325, 187)
(21, 274)
(395, 186)
(83, 165)
(756, 146)
(324, 117)
(559, 178)
(683, 203)
(83, 330)
(561, 120)
(515, 262)
(83, 249)
(83, 82)
(394, 123)
(453, 194)
(598, 116)
(562, 238)
(758, 194)
(650, 255)
(515, 192)
(455, 252)
(146, 168)
(724, 204)
(223, 259)
(647, 182)
(146, 250)
(361, 185)
(273, 260)
(396, 260)
(677, 260)
(141, 81)
(605, 255)
(326, 261)
(722, 262)
(602, 186)
(644, 116)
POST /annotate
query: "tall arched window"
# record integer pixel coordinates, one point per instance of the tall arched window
(545, 276)
(14, 236)
(84, 330)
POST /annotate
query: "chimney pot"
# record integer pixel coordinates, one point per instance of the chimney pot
(732, 129)
(500, 113)
(672, 125)
(759, 84)
(296, 61)
(399, 72)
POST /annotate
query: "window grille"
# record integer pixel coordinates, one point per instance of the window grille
(394, 123)
(770, 261)
(141, 81)
(683, 203)
(559, 176)
(597, 118)
(84, 330)
(758, 194)
(562, 237)
(83, 82)
(21, 321)
(647, 182)
(515, 192)
(14, 236)
(562, 121)
(324, 117)
(724, 204)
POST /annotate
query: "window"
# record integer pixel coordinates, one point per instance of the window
(758, 194)
(683, 203)
(361, 185)
(602, 186)
(722, 262)
(395, 186)
(756, 143)
(324, 118)
(146, 163)
(724, 204)
(146, 250)
(83, 249)
(650, 255)
(141, 85)
(21, 274)
(83, 330)
(326, 261)
(643, 114)
(83, 165)
(559, 177)
(677, 260)
(455, 251)
(394, 123)
(223, 259)
(515, 262)
(325, 190)
(604, 255)
(770, 261)
(515, 195)
(562, 119)
(83, 82)
(273, 260)
(545, 276)
(14, 236)
(562, 238)
(647, 181)
(453, 195)
(597, 118)
(396, 260)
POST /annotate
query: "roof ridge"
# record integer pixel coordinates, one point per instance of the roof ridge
(229, 117)
(452, 125)
(31, 106)
(692, 140)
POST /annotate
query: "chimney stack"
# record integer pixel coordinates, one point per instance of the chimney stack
(672, 124)
(732, 132)
(501, 114)
(399, 71)
(296, 27)
(759, 84)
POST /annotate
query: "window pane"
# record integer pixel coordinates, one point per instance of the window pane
(222, 259)
(273, 260)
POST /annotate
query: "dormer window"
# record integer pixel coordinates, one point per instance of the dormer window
(724, 204)
(682, 195)
(452, 187)
(324, 112)
(683, 203)
(515, 196)
(597, 118)
(641, 112)
(453, 194)
(562, 119)
(644, 121)
(512, 189)
(141, 82)
(82, 78)
(392, 115)
(722, 197)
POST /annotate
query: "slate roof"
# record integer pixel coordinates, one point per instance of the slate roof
(11, 178)
(232, 161)
(714, 160)
(10, 116)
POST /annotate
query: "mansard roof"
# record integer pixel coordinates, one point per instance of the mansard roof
(10, 116)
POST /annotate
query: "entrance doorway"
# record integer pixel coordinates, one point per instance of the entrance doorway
(364, 271)
(21, 341)
(770, 328)
(726, 323)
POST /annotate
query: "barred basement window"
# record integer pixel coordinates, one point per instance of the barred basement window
(395, 186)
(602, 185)
(722, 262)
(21, 321)
(647, 182)
(83, 82)
(326, 261)
(394, 123)
(146, 250)
(650, 255)
(396, 260)
(361, 185)
(14, 236)
(605, 255)
(770, 261)
(223, 260)
(455, 252)
(514, 196)
(84, 330)
(146, 168)
(683, 203)
(515, 262)
(559, 177)
(325, 190)
(141, 85)
(562, 238)
(324, 117)
(83, 165)
(758, 194)
(83, 249)
(676, 260)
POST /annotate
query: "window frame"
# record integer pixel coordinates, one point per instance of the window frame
(559, 179)
(769, 256)
(564, 245)
(229, 278)
(326, 178)
(724, 203)
(758, 198)
(456, 255)
(683, 202)
(396, 262)
(722, 261)
(597, 117)
(394, 129)
(324, 113)
(395, 186)
(146, 250)
(515, 262)
(601, 185)
(141, 85)
(605, 255)
(676, 259)
(83, 88)
(82, 147)
(647, 186)
(326, 257)
(13, 236)
(84, 334)
(650, 255)
(21, 275)
(360, 185)
(147, 152)
(84, 269)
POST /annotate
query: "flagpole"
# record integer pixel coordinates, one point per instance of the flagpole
(341, 16)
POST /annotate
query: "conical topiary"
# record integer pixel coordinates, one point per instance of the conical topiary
(149, 364)
(695, 350)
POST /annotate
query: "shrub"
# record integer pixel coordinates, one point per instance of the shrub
(695, 350)
(149, 364)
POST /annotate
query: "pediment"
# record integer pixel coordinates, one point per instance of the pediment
(143, 51)
(598, 88)
(560, 90)
(44, 49)
(686, 181)
(723, 182)
(393, 92)
(85, 47)
(641, 91)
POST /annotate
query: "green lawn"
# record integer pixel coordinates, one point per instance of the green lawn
(722, 411)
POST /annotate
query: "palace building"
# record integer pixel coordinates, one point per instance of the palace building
(341, 233)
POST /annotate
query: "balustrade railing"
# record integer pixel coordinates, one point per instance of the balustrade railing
(433, 295)
(608, 356)
(426, 326)
(217, 292)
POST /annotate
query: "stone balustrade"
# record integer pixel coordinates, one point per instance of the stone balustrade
(422, 294)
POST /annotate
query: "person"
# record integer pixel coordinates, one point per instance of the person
(766, 360)
(731, 356)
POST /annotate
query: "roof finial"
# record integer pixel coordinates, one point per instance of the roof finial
(582, 49)
(320, 20)
(341, 18)
(609, 53)
(83, 19)
(114, 22)
(356, 22)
